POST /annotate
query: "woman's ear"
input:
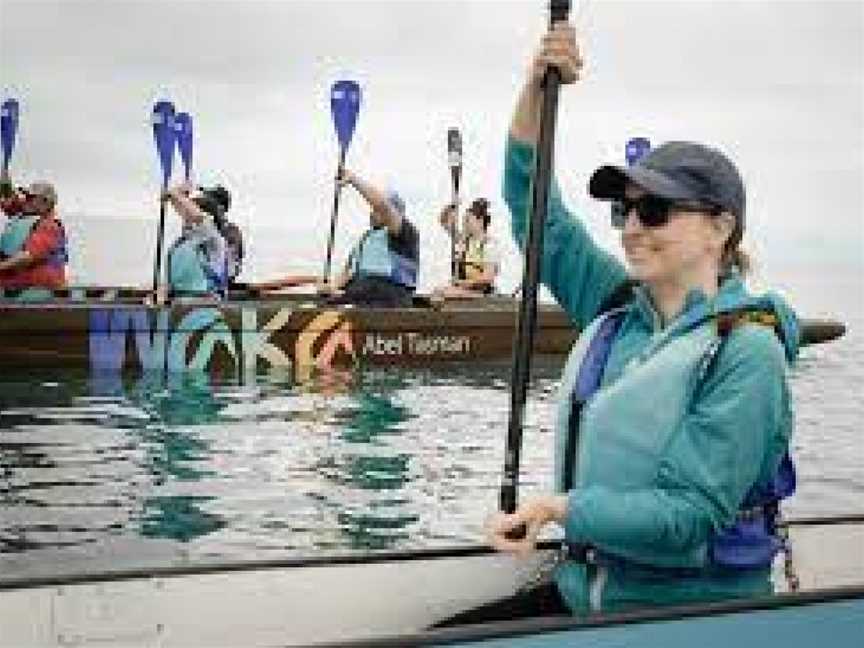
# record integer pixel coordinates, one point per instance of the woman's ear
(724, 224)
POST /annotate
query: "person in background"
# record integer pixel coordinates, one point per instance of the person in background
(234, 250)
(382, 268)
(196, 260)
(477, 253)
(33, 244)
(672, 440)
(11, 201)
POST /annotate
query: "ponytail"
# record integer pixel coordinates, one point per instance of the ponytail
(736, 258)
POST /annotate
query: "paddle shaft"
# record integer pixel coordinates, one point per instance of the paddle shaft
(527, 323)
(334, 216)
(454, 159)
(455, 171)
(160, 236)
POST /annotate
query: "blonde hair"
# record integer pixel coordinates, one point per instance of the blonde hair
(736, 257)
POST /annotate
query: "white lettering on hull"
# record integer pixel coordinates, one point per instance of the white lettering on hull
(415, 344)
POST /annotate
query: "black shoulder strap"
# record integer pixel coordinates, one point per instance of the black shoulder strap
(618, 297)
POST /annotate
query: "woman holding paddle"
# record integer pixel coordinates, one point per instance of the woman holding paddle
(477, 257)
(382, 267)
(674, 410)
(33, 246)
(196, 260)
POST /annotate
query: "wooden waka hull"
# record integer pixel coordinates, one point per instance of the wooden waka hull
(393, 599)
(112, 332)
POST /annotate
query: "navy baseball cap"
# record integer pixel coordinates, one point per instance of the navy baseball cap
(679, 171)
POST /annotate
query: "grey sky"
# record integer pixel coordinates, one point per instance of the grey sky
(777, 84)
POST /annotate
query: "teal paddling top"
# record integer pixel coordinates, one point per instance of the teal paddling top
(667, 452)
(196, 262)
(15, 234)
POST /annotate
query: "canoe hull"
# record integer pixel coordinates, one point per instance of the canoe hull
(293, 336)
(301, 605)
(368, 599)
(243, 339)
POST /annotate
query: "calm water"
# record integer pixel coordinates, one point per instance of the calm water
(101, 473)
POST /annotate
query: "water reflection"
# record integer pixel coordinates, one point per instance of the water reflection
(158, 469)
(374, 509)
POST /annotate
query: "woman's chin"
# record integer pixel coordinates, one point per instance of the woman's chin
(640, 269)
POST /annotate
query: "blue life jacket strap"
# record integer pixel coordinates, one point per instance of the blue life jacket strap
(587, 383)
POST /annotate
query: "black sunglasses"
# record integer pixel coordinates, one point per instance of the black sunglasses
(653, 211)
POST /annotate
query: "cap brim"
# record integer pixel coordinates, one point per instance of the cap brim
(609, 182)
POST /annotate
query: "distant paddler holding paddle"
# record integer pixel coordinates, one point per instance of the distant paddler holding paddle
(477, 255)
(196, 264)
(674, 416)
(474, 255)
(33, 246)
(381, 270)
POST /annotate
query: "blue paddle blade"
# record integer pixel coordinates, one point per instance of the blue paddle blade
(636, 149)
(345, 105)
(183, 123)
(8, 128)
(164, 135)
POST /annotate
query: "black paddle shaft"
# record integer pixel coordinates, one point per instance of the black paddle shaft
(334, 216)
(454, 153)
(160, 237)
(559, 10)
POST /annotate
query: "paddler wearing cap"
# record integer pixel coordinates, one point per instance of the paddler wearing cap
(196, 266)
(33, 246)
(674, 413)
(382, 267)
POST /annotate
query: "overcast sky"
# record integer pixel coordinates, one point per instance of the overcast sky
(776, 84)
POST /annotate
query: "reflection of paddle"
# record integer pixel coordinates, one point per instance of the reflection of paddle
(183, 127)
(454, 160)
(8, 130)
(164, 135)
(527, 323)
(344, 105)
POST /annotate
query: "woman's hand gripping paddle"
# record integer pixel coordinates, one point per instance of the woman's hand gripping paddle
(527, 323)
(454, 160)
(164, 134)
(345, 106)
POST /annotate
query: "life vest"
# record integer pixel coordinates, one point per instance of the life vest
(189, 273)
(59, 256)
(752, 541)
(15, 235)
(18, 230)
(373, 257)
(472, 258)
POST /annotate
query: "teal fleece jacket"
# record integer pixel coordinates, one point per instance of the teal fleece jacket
(667, 453)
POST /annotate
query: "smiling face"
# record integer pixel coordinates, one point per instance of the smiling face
(682, 251)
